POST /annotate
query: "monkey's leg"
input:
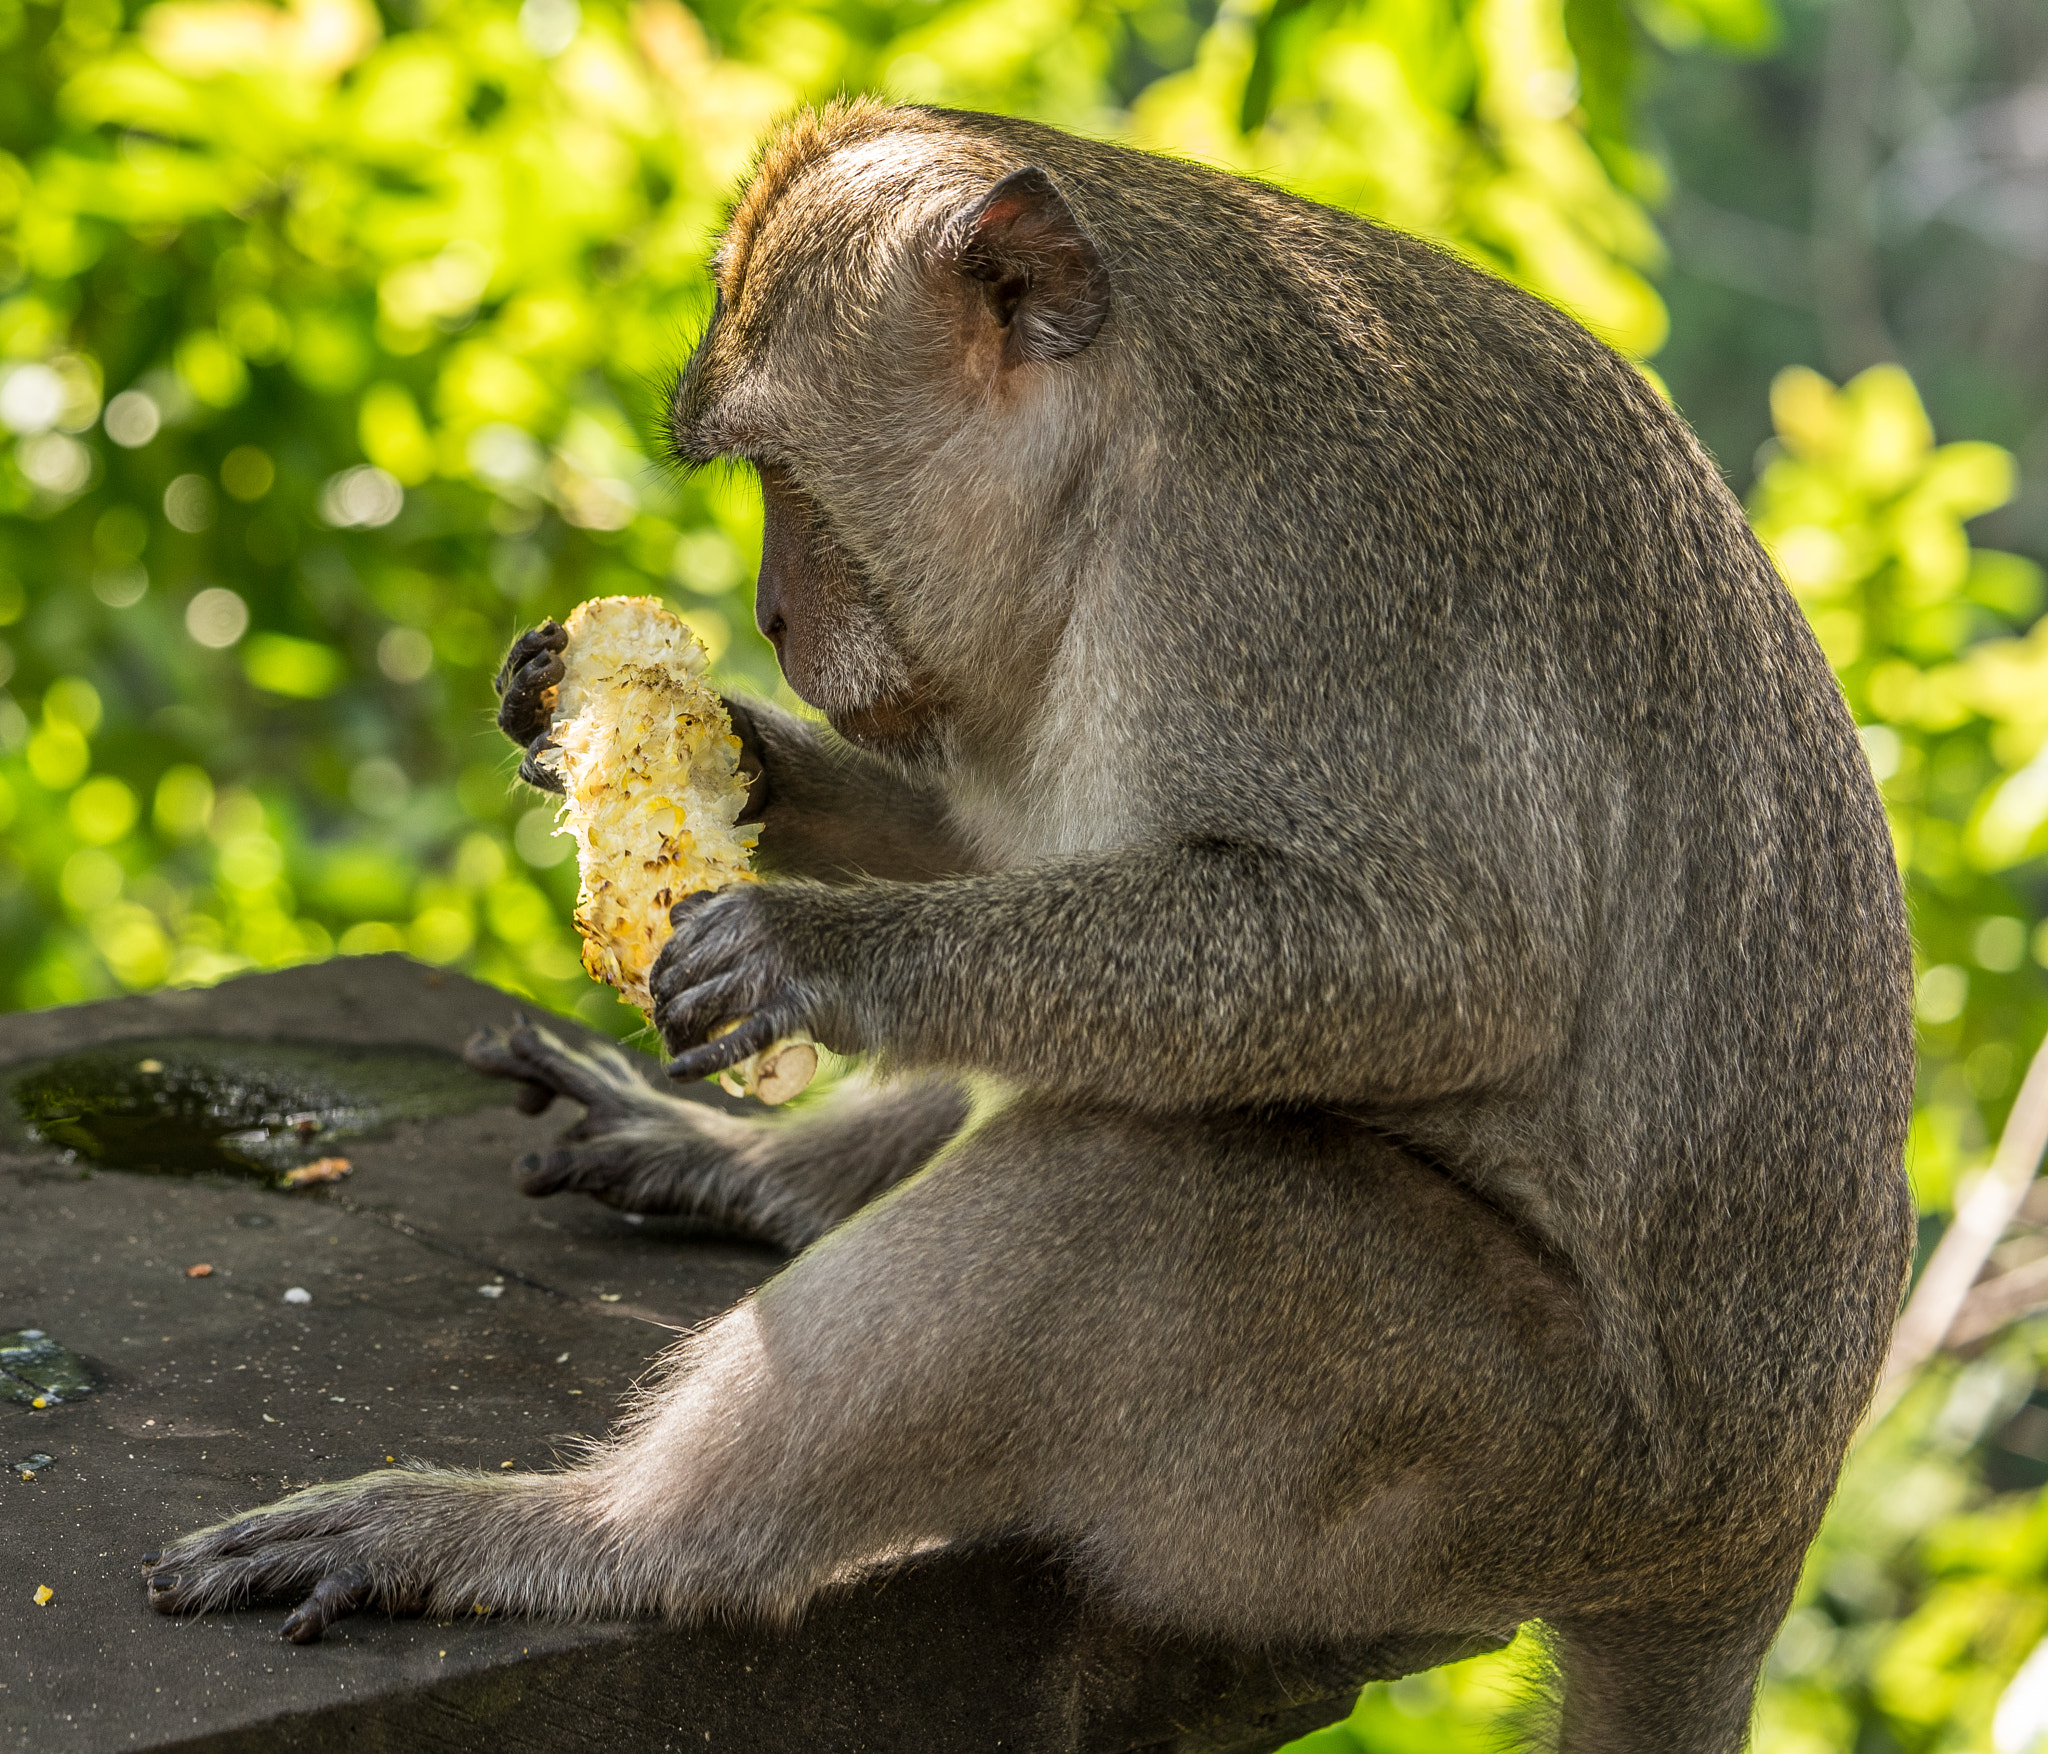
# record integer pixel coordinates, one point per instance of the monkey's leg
(784, 1178)
(1253, 1373)
(1679, 1682)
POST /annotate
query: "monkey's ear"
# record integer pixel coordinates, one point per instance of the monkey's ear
(1039, 269)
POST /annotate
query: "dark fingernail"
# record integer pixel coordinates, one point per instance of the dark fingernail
(156, 1558)
(702, 1062)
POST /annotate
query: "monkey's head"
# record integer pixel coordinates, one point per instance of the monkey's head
(903, 322)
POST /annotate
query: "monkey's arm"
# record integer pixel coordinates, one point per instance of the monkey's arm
(1160, 976)
(831, 812)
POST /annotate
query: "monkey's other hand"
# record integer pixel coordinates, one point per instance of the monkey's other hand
(531, 668)
(342, 1547)
(732, 965)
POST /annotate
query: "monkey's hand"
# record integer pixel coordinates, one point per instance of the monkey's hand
(531, 668)
(636, 1148)
(405, 1540)
(731, 979)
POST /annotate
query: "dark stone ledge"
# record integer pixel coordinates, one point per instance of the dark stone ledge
(215, 1395)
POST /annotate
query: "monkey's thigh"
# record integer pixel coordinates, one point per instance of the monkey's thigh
(1255, 1372)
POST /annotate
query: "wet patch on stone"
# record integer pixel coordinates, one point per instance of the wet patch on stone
(201, 1106)
(37, 1372)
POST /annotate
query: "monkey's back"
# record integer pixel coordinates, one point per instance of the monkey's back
(1526, 628)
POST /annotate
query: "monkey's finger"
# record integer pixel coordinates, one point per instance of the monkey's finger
(691, 903)
(543, 636)
(536, 676)
(523, 716)
(549, 636)
(523, 707)
(543, 779)
(695, 1012)
(691, 956)
(333, 1598)
(729, 1049)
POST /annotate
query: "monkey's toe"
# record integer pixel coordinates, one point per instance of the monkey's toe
(520, 1054)
(536, 1176)
(329, 1585)
(599, 1078)
(333, 1598)
(605, 1173)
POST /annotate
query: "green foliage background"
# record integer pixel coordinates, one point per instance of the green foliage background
(328, 342)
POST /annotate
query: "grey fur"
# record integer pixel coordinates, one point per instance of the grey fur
(1382, 822)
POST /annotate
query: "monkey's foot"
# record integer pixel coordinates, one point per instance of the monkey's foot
(401, 1539)
(636, 1148)
(334, 1546)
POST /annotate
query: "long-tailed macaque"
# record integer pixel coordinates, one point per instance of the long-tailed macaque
(1314, 740)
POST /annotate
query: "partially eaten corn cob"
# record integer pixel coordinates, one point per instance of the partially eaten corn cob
(650, 790)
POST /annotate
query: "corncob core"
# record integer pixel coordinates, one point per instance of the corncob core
(651, 791)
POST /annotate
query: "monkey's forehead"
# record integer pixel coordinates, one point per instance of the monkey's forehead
(847, 182)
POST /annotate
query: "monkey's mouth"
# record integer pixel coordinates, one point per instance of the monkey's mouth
(898, 724)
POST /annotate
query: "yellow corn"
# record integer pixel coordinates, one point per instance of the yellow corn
(650, 791)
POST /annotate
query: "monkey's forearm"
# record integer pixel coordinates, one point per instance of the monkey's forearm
(832, 813)
(1199, 974)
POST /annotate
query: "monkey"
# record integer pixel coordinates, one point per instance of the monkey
(1377, 955)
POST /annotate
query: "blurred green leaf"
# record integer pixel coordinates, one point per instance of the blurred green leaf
(300, 668)
(329, 348)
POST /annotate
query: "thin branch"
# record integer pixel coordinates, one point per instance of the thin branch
(1998, 1303)
(1967, 1243)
